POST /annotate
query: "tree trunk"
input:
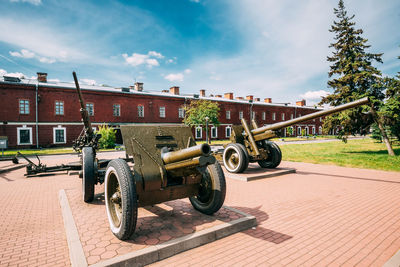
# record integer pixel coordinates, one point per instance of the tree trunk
(383, 132)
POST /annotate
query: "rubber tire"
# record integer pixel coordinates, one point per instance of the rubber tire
(126, 181)
(275, 153)
(246, 156)
(243, 160)
(88, 179)
(217, 195)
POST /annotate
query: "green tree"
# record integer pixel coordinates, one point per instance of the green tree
(391, 110)
(108, 138)
(197, 111)
(353, 76)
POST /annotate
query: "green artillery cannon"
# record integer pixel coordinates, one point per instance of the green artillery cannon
(253, 146)
(167, 166)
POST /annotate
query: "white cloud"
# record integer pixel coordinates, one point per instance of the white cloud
(195, 1)
(12, 74)
(187, 71)
(88, 81)
(47, 60)
(23, 54)
(155, 54)
(314, 95)
(50, 80)
(174, 77)
(143, 59)
(3, 72)
(33, 2)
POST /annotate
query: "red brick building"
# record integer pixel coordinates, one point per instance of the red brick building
(38, 113)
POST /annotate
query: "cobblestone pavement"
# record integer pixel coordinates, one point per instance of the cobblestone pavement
(320, 216)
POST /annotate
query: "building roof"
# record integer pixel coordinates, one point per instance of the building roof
(106, 88)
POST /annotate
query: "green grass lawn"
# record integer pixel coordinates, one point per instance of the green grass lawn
(44, 151)
(362, 153)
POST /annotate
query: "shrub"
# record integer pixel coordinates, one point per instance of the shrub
(107, 139)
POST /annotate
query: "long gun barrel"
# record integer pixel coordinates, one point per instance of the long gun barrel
(83, 110)
(188, 157)
(314, 115)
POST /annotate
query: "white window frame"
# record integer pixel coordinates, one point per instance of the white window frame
(117, 107)
(273, 116)
(320, 119)
(283, 116)
(216, 132)
(198, 132)
(228, 114)
(162, 112)
(88, 109)
(320, 130)
(54, 134)
(298, 131)
(307, 130)
(291, 116)
(18, 135)
(240, 115)
(181, 113)
(24, 111)
(226, 131)
(263, 116)
(60, 105)
(293, 133)
(140, 111)
(313, 130)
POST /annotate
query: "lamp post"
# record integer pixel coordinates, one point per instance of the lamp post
(207, 118)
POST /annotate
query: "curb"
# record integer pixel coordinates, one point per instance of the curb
(170, 248)
(245, 177)
(155, 253)
(76, 254)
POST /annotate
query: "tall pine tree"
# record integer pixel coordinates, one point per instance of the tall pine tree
(352, 77)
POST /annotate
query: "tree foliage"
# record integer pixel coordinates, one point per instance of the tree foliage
(108, 138)
(352, 76)
(197, 111)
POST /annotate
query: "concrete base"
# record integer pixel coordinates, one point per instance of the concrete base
(135, 252)
(255, 172)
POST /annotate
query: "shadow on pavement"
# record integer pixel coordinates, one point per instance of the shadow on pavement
(260, 232)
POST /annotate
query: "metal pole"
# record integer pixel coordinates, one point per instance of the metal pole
(37, 117)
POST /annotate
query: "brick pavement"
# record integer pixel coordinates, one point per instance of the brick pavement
(321, 216)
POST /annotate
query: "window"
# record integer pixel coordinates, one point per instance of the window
(320, 130)
(273, 116)
(313, 130)
(228, 131)
(307, 130)
(320, 119)
(90, 108)
(283, 116)
(59, 135)
(24, 135)
(291, 116)
(116, 110)
(291, 132)
(181, 112)
(59, 106)
(23, 106)
(263, 115)
(214, 132)
(299, 115)
(228, 114)
(199, 132)
(240, 115)
(140, 111)
(162, 112)
(299, 131)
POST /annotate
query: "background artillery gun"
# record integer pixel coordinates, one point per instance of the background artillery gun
(254, 146)
(167, 166)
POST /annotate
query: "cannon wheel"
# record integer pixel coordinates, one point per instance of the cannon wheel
(275, 156)
(235, 158)
(121, 199)
(212, 190)
(88, 180)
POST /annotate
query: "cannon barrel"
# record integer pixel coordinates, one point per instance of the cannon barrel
(186, 153)
(84, 112)
(284, 124)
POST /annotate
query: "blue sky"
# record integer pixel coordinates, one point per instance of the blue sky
(265, 48)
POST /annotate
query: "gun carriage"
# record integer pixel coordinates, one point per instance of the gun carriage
(168, 165)
(253, 145)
